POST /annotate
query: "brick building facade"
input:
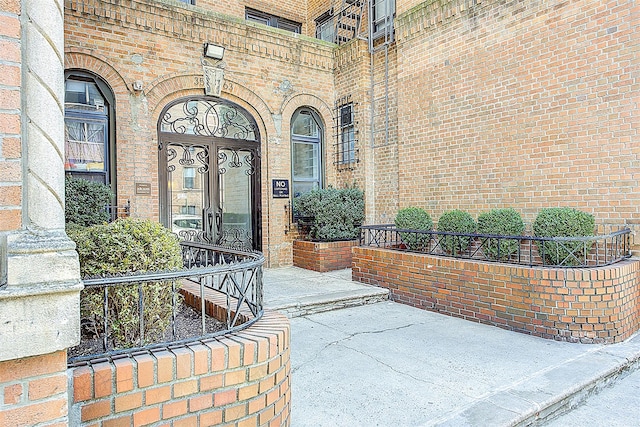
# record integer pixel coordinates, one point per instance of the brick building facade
(466, 104)
(469, 105)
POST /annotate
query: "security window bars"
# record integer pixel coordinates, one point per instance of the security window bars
(272, 20)
(346, 153)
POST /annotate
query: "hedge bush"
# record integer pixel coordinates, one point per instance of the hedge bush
(456, 221)
(414, 218)
(503, 222)
(85, 201)
(564, 222)
(125, 246)
(335, 214)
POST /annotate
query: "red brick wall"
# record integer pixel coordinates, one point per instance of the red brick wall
(240, 379)
(269, 72)
(10, 141)
(519, 104)
(322, 256)
(33, 390)
(599, 305)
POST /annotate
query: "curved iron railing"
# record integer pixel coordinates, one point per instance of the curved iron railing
(574, 252)
(214, 279)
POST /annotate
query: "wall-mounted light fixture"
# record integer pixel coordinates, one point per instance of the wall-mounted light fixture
(213, 51)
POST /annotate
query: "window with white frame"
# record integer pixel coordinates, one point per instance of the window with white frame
(382, 12)
(306, 152)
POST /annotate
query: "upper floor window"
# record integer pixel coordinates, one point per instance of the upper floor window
(272, 20)
(325, 29)
(306, 151)
(346, 148)
(191, 2)
(89, 129)
(382, 17)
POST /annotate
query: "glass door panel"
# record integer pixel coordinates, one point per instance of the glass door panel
(235, 174)
(188, 188)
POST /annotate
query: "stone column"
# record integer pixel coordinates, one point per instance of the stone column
(39, 306)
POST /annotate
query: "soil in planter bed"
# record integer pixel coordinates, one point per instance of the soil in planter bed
(188, 325)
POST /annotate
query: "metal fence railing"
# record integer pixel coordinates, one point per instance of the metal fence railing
(590, 251)
(215, 280)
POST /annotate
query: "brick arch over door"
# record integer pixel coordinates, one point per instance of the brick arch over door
(168, 88)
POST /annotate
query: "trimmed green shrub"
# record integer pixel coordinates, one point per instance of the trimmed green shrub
(85, 201)
(503, 222)
(456, 221)
(335, 214)
(564, 222)
(413, 218)
(126, 246)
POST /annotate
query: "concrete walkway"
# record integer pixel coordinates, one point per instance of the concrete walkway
(387, 364)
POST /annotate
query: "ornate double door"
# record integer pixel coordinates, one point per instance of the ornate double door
(210, 173)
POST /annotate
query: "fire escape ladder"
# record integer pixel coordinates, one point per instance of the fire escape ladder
(381, 35)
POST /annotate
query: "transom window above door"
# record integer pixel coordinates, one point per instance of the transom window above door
(209, 117)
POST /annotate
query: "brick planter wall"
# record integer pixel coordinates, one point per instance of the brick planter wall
(237, 379)
(33, 390)
(598, 305)
(323, 256)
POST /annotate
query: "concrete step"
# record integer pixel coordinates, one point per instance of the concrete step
(298, 292)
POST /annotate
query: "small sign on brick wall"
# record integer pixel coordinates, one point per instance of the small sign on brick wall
(280, 188)
(143, 188)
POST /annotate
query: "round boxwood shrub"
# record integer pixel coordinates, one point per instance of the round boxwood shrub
(456, 221)
(414, 218)
(502, 222)
(85, 201)
(564, 222)
(334, 214)
(125, 246)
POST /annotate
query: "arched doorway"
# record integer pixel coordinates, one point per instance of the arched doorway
(209, 163)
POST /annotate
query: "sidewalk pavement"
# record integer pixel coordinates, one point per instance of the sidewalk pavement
(388, 364)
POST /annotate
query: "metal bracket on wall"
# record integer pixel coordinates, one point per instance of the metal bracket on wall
(287, 212)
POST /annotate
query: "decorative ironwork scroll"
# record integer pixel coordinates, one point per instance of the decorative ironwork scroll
(209, 117)
(187, 157)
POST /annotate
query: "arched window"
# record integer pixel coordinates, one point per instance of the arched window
(89, 130)
(306, 151)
